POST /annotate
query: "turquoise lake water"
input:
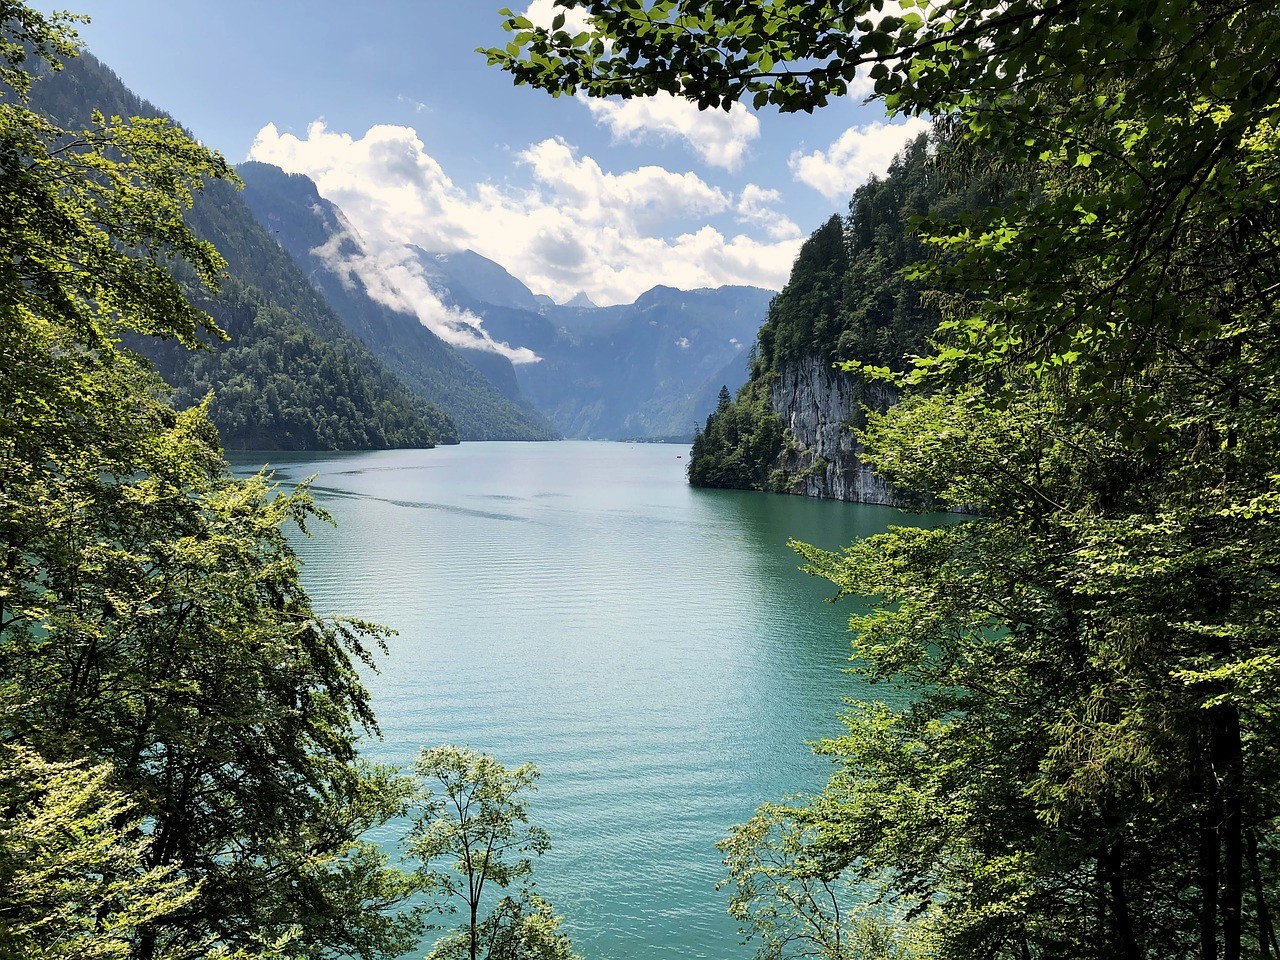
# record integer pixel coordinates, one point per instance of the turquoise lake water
(654, 649)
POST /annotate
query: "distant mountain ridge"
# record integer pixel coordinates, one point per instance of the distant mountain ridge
(479, 278)
(317, 362)
(645, 370)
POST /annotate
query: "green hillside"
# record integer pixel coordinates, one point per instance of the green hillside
(292, 376)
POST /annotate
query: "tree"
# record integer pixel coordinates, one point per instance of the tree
(1092, 656)
(515, 929)
(472, 809)
(739, 444)
(153, 627)
(792, 903)
(73, 882)
(1058, 782)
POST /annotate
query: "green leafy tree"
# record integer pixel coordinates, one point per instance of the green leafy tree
(739, 443)
(151, 615)
(515, 929)
(75, 883)
(1057, 783)
(1086, 769)
(792, 901)
(1157, 128)
(73, 876)
(472, 810)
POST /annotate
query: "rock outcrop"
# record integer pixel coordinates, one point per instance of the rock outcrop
(820, 407)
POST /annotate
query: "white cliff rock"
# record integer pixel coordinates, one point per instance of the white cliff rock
(820, 407)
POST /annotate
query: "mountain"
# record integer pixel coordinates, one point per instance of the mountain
(478, 393)
(789, 428)
(645, 370)
(292, 376)
(316, 361)
(478, 278)
(649, 369)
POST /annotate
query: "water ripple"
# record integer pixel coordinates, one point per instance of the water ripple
(654, 649)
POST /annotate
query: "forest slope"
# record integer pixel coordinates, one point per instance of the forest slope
(292, 376)
(790, 428)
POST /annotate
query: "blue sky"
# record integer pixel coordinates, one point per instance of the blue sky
(387, 106)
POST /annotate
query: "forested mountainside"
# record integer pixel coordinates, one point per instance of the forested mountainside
(292, 376)
(289, 206)
(789, 429)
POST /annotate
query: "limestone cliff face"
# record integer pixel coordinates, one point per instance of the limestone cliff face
(819, 407)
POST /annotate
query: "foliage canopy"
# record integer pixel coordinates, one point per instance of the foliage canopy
(177, 718)
(472, 809)
(1087, 766)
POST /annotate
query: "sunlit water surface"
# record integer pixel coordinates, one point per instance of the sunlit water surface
(654, 649)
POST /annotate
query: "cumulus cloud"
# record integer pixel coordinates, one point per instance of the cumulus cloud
(719, 138)
(649, 194)
(857, 155)
(755, 206)
(578, 227)
(393, 276)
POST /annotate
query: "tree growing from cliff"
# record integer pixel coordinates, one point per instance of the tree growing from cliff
(738, 445)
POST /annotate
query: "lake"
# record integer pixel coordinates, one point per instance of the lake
(653, 648)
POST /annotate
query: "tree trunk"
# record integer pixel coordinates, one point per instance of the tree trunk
(1266, 931)
(1228, 762)
(1207, 868)
(1121, 919)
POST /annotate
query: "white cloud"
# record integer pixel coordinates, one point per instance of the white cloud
(755, 207)
(683, 343)
(719, 138)
(650, 194)
(861, 86)
(542, 13)
(577, 228)
(858, 154)
(418, 105)
(393, 277)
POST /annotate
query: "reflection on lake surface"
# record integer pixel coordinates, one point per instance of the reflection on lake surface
(653, 648)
